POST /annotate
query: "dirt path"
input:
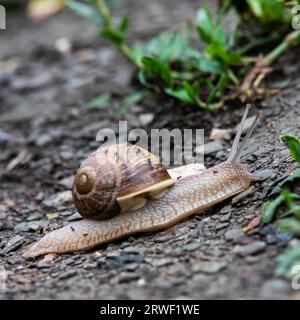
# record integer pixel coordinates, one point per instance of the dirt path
(44, 123)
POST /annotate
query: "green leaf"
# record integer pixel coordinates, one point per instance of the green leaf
(85, 10)
(168, 46)
(205, 25)
(113, 35)
(130, 101)
(187, 93)
(209, 65)
(233, 37)
(256, 7)
(99, 102)
(293, 176)
(219, 35)
(142, 76)
(293, 143)
(289, 225)
(218, 89)
(113, 3)
(156, 67)
(177, 44)
(269, 208)
(219, 51)
(295, 209)
(136, 54)
(287, 259)
(180, 94)
(201, 61)
(192, 90)
(124, 24)
(268, 10)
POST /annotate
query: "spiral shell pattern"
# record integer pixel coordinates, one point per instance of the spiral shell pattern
(112, 172)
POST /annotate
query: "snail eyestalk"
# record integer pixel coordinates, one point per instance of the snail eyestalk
(236, 150)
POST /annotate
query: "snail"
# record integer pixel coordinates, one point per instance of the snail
(148, 208)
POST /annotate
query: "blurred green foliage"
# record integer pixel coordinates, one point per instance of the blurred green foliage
(205, 77)
(285, 209)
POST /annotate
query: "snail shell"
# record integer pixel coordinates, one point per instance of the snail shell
(118, 178)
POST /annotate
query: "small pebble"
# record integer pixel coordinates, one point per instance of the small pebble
(220, 134)
(163, 238)
(90, 266)
(264, 230)
(162, 262)
(129, 258)
(234, 234)
(263, 175)
(220, 226)
(68, 261)
(32, 225)
(133, 250)
(210, 147)
(225, 217)
(131, 266)
(277, 287)
(58, 199)
(4, 137)
(250, 249)
(113, 254)
(141, 282)
(2, 216)
(128, 276)
(210, 267)
(243, 195)
(225, 209)
(146, 118)
(43, 265)
(283, 236)
(67, 274)
(67, 182)
(52, 216)
(13, 244)
(191, 246)
(270, 239)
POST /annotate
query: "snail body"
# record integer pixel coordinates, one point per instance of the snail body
(195, 191)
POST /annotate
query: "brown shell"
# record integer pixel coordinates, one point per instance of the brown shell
(116, 175)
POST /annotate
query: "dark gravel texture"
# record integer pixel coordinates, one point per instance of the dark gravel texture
(43, 122)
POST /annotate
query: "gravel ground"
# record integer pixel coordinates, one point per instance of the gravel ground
(45, 126)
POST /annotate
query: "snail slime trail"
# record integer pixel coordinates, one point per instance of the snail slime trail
(111, 310)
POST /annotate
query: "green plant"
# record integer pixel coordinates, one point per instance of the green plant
(99, 102)
(209, 77)
(285, 209)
